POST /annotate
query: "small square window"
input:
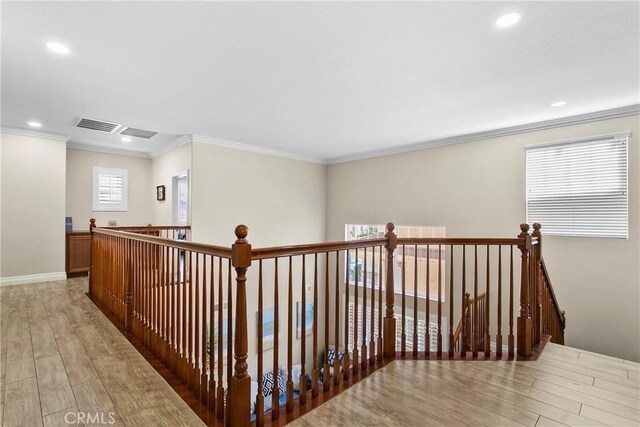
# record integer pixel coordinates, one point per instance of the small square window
(109, 189)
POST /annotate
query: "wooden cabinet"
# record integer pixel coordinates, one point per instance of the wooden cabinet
(78, 253)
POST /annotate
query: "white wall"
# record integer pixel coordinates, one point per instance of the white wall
(282, 201)
(79, 172)
(478, 189)
(163, 169)
(33, 200)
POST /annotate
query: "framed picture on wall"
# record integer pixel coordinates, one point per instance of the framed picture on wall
(160, 193)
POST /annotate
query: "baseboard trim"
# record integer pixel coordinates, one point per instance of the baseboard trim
(32, 278)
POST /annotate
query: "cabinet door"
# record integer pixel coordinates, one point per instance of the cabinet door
(78, 253)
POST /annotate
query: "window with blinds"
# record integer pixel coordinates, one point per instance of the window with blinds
(579, 188)
(182, 202)
(109, 189)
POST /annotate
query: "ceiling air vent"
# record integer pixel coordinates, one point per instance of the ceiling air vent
(97, 125)
(138, 133)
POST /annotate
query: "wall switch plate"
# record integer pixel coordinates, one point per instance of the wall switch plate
(112, 223)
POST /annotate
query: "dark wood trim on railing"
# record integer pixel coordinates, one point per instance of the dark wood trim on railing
(314, 248)
(220, 251)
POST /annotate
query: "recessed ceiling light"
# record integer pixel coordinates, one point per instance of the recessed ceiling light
(34, 124)
(58, 48)
(126, 139)
(559, 104)
(508, 20)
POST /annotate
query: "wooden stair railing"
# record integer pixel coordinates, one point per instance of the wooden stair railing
(554, 318)
(470, 325)
(356, 298)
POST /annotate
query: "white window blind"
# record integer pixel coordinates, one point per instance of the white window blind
(109, 189)
(183, 200)
(579, 188)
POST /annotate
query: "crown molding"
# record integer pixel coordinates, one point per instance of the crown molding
(74, 145)
(496, 133)
(183, 140)
(255, 149)
(34, 133)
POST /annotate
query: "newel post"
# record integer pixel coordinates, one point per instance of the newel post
(239, 401)
(92, 225)
(525, 326)
(389, 320)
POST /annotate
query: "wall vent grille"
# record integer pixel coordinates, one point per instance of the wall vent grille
(139, 133)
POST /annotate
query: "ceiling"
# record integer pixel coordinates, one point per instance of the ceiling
(320, 80)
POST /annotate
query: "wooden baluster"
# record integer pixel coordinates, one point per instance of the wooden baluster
(451, 350)
(240, 383)
(174, 309)
(415, 301)
(439, 339)
(260, 395)
(463, 293)
(525, 326)
(183, 317)
(363, 349)
(167, 289)
(325, 366)
(191, 327)
(211, 332)
(474, 342)
(499, 306)
(389, 340)
(510, 338)
(345, 360)
(380, 266)
(314, 368)
(230, 326)
(290, 339)
(485, 313)
(356, 367)
(203, 339)
(275, 391)
(403, 335)
(220, 390)
(196, 327)
(336, 333)
(538, 284)
(427, 308)
(302, 381)
(372, 346)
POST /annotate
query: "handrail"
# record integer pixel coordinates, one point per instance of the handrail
(285, 251)
(220, 251)
(148, 227)
(456, 241)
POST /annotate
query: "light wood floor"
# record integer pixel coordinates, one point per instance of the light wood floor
(59, 354)
(565, 386)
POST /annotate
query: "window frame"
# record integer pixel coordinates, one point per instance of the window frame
(97, 205)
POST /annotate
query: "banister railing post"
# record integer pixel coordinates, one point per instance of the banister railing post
(92, 225)
(525, 327)
(537, 271)
(389, 320)
(239, 401)
(128, 286)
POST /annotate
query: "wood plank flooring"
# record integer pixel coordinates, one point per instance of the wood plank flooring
(60, 355)
(62, 361)
(565, 386)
